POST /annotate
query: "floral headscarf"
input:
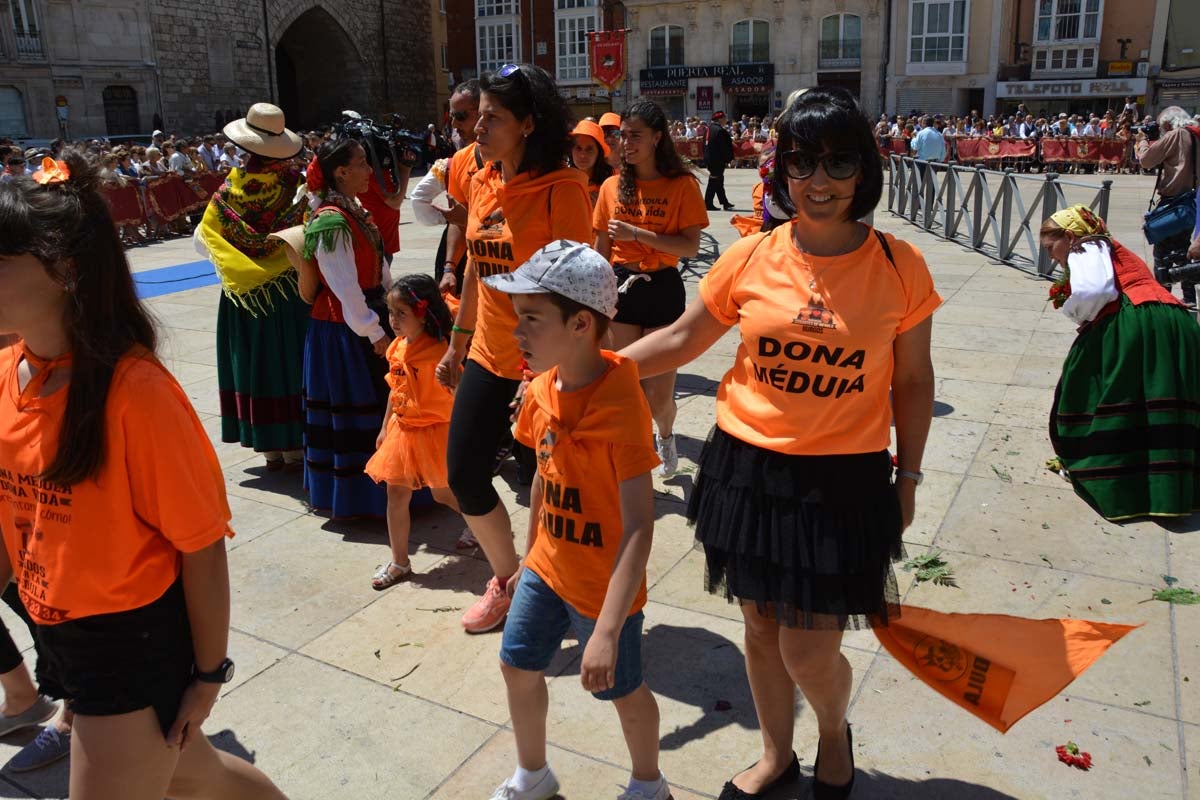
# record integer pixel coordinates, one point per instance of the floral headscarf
(1081, 221)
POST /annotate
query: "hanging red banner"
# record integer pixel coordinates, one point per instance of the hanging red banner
(608, 57)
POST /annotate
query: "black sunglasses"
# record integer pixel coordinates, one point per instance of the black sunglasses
(459, 116)
(801, 164)
(16, 162)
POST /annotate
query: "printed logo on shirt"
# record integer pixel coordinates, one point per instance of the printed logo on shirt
(545, 448)
(947, 658)
(562, 515)
(771, 368)
(815, 317)
(493, 225)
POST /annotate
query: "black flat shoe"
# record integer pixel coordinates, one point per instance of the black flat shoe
(827, 791)
(786, 778)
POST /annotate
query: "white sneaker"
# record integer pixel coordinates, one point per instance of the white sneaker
(667, 454)
(663, 793)
(546, 788)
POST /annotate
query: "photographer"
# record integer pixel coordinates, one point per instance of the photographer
(384, 201)
(1175, 153)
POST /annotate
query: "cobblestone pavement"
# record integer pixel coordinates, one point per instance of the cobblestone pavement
(343, 692)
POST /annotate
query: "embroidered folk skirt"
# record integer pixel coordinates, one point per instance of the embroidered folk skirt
(344, 400)
(1126, 413)
(809, 540)
(260, 371)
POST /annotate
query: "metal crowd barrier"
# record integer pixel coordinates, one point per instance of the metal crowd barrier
(960, 204)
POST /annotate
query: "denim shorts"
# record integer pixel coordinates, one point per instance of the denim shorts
(537, 622)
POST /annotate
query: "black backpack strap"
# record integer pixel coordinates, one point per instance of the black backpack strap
(887, 251)
(478, 159)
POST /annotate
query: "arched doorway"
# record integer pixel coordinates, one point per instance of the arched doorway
(121, 110)
(319, 71)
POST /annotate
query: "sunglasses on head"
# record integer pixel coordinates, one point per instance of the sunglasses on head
(459, 116)
(513, 71)
(800, 164)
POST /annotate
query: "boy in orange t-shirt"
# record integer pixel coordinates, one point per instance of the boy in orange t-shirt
(593, 520)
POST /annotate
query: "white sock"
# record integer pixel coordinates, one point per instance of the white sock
(648, 788)
(523, 779)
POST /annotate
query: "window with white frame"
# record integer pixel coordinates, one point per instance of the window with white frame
(841, 40)
(446, 57)
(497, 44)
(750, 42)
(495, 8)
(938, 31)
(567, 5)
(1067, 37)
(1068, 21)
(572, 42)
(666, 46)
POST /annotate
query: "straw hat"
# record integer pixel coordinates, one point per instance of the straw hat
(588, 128)
(306, 268)
(262, 133)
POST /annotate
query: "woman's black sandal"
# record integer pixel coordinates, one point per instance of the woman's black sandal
(787, 777)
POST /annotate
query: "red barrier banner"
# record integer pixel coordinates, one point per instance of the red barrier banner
(744, 149)
(690, 148)
(986, 149)
(900, 145)
(124, 204)
(210, 182)
(170, 197)
(1078, 150)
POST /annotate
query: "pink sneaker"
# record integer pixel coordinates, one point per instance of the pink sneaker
(489, 611)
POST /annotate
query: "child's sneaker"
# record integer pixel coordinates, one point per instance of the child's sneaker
(489, 611)
(662, 792)
(665, 445)
(544, 789)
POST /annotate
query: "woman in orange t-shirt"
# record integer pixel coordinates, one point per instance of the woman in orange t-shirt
(116, 541)
(795, 502)
(590, 153)
(646, 219)
(524, 197)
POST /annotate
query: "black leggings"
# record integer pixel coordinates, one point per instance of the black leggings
(478, 425)
(10, 656)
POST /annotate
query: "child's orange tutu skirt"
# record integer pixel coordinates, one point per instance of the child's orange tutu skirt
(411, 456)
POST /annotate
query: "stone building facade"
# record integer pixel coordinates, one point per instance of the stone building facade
(128, 66)
(747, 56)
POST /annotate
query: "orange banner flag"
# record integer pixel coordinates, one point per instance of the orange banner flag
(995, 666)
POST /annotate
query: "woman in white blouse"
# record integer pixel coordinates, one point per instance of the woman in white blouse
(1126, 416)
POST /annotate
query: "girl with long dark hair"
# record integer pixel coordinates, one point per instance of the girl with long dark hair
(119, 554)
(523, 198)
(344, 356)
(646, 219)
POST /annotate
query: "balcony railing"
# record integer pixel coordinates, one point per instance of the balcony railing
(840, 54)
(29, 44)
(750, 53)
(665, 56)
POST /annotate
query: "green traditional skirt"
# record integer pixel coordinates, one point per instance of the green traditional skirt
(260, 371)
(1126, 415)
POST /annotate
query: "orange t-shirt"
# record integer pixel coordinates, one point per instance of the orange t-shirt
(587, 441)
(417, 398)
(463, 166)
(507, 223)
(111, 543)
(664, 205)
(813, 373)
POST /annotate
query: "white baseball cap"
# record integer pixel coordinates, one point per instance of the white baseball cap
(566, 268)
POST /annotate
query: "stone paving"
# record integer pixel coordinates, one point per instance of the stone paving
(343, 692)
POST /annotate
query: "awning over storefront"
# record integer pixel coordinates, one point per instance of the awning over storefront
(1065, 90)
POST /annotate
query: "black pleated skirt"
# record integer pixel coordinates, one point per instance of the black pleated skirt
(810, 540)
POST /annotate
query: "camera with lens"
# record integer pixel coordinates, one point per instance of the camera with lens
(388, 147)
(1151, 130)
(1174, 268)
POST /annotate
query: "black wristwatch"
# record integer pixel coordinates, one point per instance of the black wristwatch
(222, 674)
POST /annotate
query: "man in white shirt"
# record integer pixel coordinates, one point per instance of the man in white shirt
(1092, 128)
(179, 162)
(229, 159)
